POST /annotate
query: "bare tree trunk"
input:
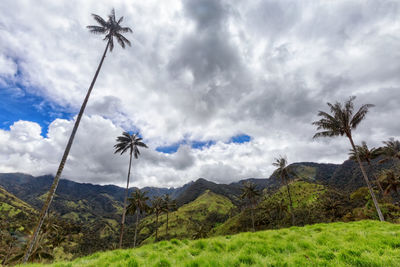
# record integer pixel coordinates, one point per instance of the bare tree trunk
(381, 218)
(136, 227)
(53, 188)
(125, 200)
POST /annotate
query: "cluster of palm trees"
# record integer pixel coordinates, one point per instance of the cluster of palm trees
(140, 203)
(342, 121)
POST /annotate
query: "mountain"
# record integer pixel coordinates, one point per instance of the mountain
(98, 201)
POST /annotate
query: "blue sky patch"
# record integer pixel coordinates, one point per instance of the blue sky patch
(243, 138)
(17, 103)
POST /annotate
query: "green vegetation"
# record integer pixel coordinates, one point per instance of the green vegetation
(273, 210)
(363, 243)
(191, 220)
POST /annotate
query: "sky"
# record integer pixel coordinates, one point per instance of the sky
(217, 88)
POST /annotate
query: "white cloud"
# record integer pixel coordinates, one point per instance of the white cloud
(203, 70)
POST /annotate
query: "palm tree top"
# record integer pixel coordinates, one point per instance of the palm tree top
(341, 120)
(249, 191)
(138, 202)
(280, 162)
(365, 153)
(391, 148)
(129, 141)
(111, 28)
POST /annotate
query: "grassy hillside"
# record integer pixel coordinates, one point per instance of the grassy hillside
(272, 210)
(363, 243)
(204, 212)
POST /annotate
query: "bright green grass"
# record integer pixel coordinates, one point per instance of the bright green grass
(363, 243)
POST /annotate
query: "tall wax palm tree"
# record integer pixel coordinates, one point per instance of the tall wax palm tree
(128, 142)
(111, 29)
(157, 206)
(137, 204)
(341, 122)
(250, 192)
(366, 154)
(169, 205)
(283, 171)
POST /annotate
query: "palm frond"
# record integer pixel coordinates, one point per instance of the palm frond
(125, 30)
(112, 15)
(97, 29)
(360, 115)
(100, 20)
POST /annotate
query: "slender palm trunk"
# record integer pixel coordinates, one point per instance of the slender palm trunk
(125, 200)
(136, 227)
(366, 180)
(376, 179)
(167, 224)
(290, 200)
(53, 188)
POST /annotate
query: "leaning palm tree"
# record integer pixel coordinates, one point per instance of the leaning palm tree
(284, 172)
(126, 142)
(366, 154)
(341, 122)
(157, 206)
(111, 29)
(169, 205)
(137, 204)
(250, 192)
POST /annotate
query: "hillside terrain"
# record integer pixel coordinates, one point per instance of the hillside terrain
(85, 217)
(363, 243)
(191, 220)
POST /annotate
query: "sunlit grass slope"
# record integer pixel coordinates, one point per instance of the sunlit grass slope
(362, 243)
(303, 194)
(181, 221)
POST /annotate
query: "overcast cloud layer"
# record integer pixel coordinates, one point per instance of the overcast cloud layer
(197, 70)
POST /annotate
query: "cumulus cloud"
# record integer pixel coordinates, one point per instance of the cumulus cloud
(198, 71)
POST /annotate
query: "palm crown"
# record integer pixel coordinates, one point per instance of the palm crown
(129, 141)
(391, 149)
(342, 120)
(138, 202)
(282, 168)
(249, 191)
(111, 28)
(365, 153)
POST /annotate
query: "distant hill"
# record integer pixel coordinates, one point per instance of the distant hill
(99, 201)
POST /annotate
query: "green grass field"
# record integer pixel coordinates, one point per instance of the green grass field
(363, 243)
